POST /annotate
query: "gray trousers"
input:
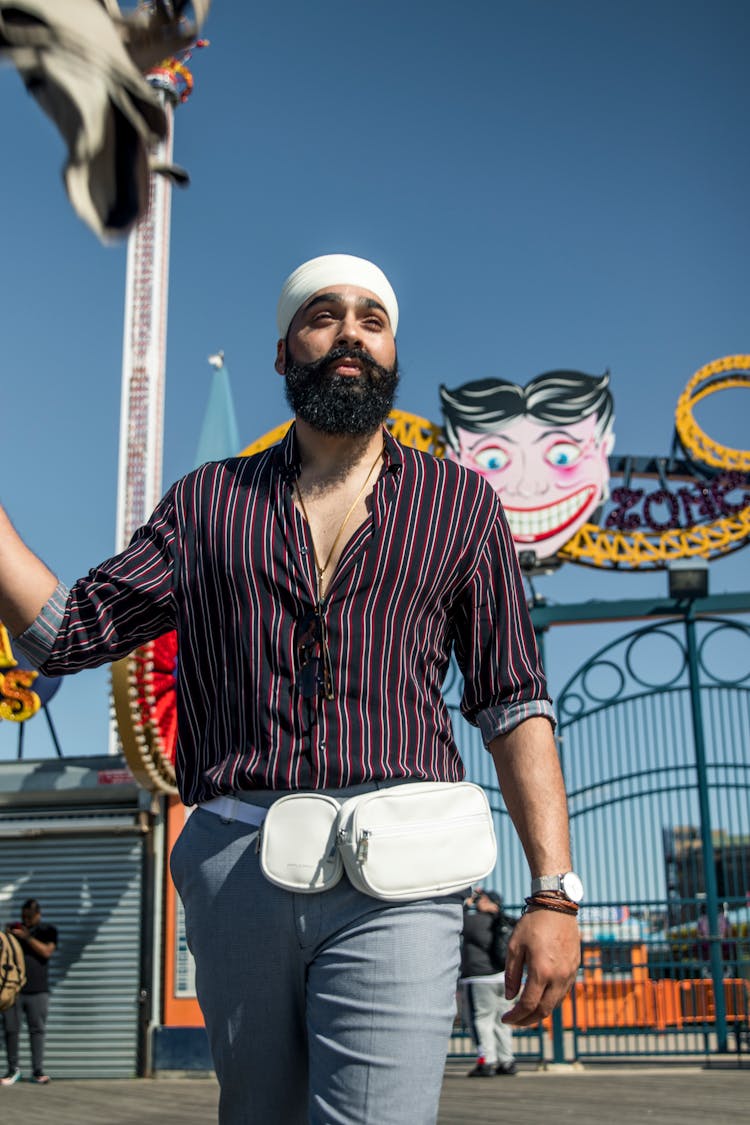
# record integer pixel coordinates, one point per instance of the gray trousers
(332, 1008)
(485, 1005)
(34, 1006)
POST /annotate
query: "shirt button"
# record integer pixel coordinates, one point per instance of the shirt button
(322, 746)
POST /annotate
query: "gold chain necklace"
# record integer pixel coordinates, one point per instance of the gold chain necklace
(320, 570)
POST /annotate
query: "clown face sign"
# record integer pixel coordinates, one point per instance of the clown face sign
(542, 447)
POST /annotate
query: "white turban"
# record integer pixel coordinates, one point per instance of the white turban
(333, 269)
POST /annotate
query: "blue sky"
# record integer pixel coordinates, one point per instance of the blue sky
(547, 185)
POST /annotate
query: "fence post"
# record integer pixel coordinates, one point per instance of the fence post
(707, 844)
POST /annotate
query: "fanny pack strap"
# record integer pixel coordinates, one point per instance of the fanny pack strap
(231, 808)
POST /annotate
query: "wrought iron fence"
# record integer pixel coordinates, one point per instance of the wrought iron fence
(654, 733)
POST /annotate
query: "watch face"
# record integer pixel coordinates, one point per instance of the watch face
(572, 886)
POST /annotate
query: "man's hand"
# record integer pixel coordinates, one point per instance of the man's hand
(547, 945)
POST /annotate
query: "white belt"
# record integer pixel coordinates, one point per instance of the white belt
(231, 808)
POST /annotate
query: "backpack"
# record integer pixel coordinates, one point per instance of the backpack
(502, 928)
(12, 970)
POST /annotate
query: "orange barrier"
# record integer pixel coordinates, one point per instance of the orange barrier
(697, 999)
(645, 1003)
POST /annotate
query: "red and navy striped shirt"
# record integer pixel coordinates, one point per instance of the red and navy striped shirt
(227, 560)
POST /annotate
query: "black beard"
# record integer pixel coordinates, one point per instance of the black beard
(342, 404)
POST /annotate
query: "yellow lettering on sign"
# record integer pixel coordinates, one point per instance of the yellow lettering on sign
(7, 660)
(17, 702)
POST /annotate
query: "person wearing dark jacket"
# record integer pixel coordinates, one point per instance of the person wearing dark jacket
(38, 942)
(486, 932)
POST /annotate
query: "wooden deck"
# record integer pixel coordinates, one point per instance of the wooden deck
(680, 1095)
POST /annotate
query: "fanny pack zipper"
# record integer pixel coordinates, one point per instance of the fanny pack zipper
(366, 834)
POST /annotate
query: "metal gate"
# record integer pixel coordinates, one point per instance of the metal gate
(654, 735)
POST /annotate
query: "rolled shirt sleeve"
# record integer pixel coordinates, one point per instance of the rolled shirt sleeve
(496, 649)
(36, 642)
(121, 604)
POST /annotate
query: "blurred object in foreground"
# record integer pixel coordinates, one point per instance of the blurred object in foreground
(84, 61)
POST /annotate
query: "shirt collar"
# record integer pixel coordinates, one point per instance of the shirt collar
(394, 457)
(286, 456)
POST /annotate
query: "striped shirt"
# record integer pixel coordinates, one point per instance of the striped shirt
(227, 560)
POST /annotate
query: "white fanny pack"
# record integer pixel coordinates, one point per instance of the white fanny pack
(419, 840)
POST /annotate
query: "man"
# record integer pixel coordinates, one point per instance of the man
(318, 589)
(484, 946)
(38, 941)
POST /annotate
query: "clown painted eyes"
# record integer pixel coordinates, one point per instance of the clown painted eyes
(491, 457)
(562, 454)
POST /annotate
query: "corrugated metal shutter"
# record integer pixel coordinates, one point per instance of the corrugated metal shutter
(88, 881)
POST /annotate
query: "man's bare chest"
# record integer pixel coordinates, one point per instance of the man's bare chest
(333, 517)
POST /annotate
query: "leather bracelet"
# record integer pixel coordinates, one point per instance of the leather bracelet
(570, 909)
(554, 896)
(551, 898)
(535, 904)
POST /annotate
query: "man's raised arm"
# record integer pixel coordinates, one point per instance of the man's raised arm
(25, 582)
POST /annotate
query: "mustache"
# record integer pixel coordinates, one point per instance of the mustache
(369, 364)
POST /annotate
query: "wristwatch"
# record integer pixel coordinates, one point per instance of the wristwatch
(568, 884)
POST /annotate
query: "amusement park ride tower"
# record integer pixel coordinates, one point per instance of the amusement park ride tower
(145, 333)
(139, 482)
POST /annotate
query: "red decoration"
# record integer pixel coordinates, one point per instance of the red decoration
(164, 688)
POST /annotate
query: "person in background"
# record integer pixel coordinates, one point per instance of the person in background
(486, 933)
(724, 932)
(38, 941)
